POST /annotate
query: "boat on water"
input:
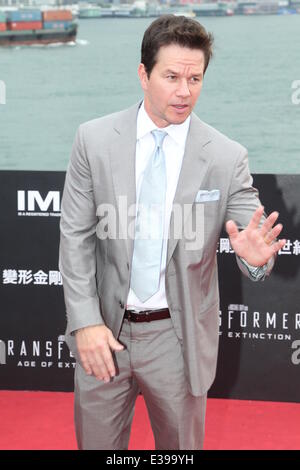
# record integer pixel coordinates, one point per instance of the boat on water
(121, 11)
(139, 9)
(90, 12)
(33, 26)
(213, 9)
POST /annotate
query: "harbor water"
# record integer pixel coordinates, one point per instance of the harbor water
(251, 89)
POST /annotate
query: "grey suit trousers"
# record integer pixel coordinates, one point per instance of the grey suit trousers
(152, 363)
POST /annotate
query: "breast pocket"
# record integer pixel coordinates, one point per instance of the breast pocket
(203, 224)
(204, 195)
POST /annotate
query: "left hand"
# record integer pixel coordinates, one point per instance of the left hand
(254, 244)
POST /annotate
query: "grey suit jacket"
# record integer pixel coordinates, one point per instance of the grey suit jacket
(96, 272)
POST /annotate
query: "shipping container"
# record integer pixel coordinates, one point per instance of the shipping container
(2, 17)
(24, 15)
(57, 15)
(2, 26)
(60, 25)
(22, 25)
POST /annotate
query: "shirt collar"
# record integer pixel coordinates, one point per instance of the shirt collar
(178, 132)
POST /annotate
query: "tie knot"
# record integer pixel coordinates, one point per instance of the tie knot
(158, 137)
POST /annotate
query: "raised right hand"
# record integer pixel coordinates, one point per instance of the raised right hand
(94, 344)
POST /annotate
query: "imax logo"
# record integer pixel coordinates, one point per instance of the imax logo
(32, 200)
(2, 352)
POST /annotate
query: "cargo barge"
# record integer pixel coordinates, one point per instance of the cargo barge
(28, 27)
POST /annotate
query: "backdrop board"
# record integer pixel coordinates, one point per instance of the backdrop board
(32, 319)
(259, 355)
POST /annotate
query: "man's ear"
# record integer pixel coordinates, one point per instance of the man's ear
(143, 76)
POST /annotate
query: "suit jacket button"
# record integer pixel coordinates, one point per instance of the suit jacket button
(121, 304)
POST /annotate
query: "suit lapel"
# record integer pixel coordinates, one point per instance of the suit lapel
(194, 167)
(122, 159)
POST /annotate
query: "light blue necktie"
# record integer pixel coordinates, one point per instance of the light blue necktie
(149, 230)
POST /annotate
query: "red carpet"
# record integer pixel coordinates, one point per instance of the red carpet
(44, 420)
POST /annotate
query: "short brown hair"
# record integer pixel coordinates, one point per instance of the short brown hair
(171, 29)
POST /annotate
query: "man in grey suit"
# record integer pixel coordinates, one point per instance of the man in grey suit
(140, 284)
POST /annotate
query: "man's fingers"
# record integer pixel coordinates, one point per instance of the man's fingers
(98, 364)
(273, 234)
(86, 366)
(268, 223)
(109, 363)
(232, 229)
(92, 364)
(255, 219)
(114, 344)
(97, 360)
(278, 245)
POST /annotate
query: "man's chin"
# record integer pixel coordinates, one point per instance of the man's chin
(171, 118)
(178, 117)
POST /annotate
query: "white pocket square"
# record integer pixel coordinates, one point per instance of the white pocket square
(203, 195)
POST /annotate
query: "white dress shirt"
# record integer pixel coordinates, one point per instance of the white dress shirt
(173, 147)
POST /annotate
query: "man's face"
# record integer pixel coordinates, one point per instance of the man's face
(174, 85)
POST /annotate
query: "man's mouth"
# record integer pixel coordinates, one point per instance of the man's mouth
(180, 106)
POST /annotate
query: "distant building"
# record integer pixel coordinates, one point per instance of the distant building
(35, 3)
(5, 3)
(294, 3)
(185, 2)
(26, 3)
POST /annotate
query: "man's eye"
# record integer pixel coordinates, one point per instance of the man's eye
(171, 77)
(195, 79)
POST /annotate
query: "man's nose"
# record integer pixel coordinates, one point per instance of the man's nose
(183, 89)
